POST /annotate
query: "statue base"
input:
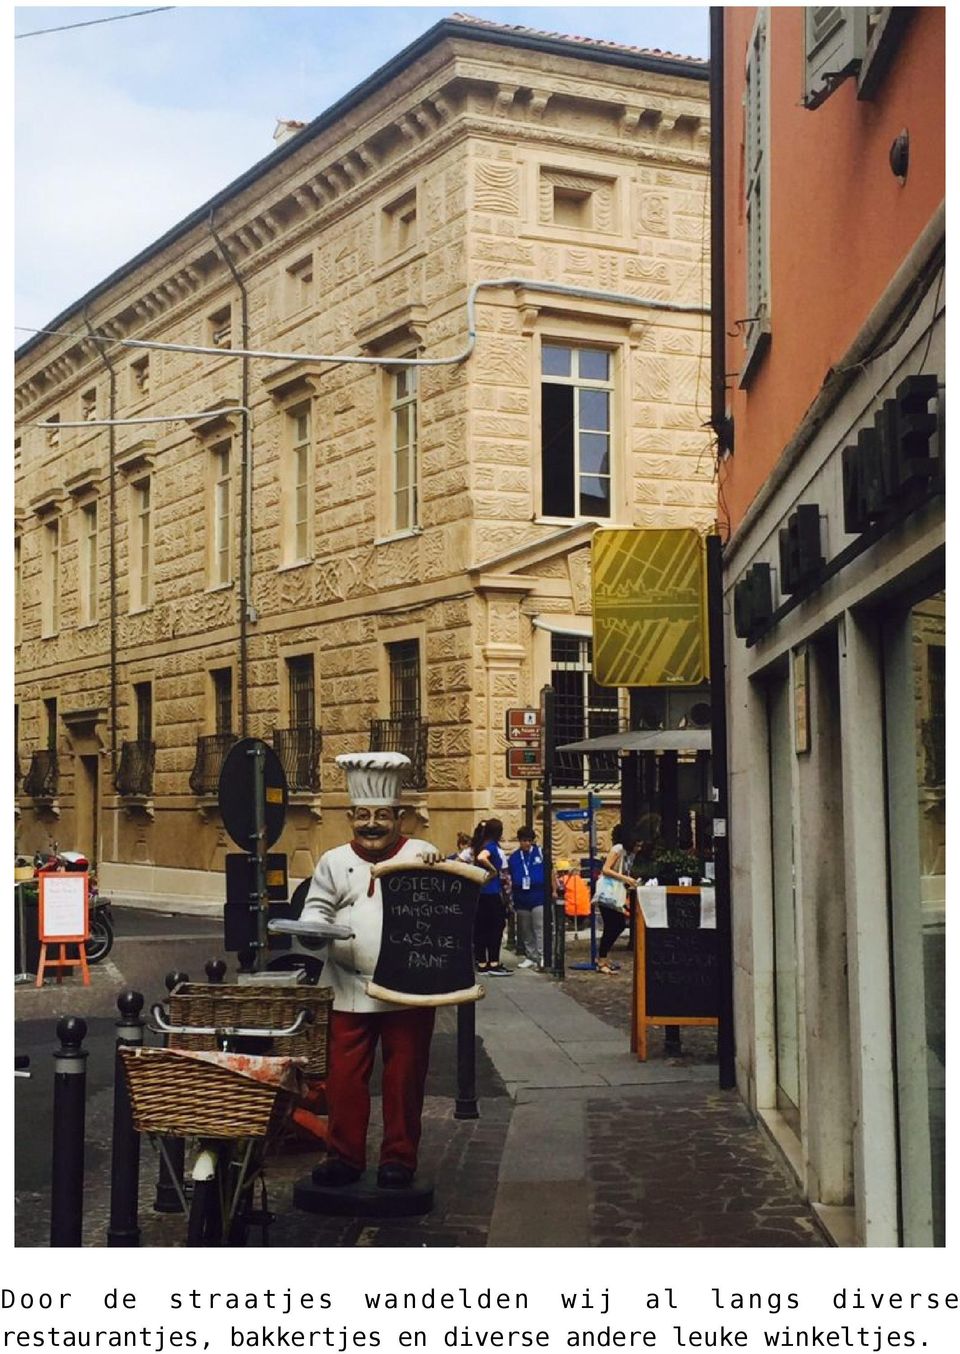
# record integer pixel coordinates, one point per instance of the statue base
(363, 1199)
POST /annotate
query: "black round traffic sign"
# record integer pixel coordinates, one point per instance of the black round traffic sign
(238, 782)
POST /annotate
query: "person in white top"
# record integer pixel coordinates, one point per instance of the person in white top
(342, 894)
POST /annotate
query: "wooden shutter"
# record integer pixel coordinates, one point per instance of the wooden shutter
(835, 41)
(756, 179)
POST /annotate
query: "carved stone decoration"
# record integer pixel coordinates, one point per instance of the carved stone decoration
(654, 213)
(579, 565)
(497, 188)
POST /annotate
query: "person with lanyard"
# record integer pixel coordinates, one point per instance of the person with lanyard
(526, 868)
(491, 907)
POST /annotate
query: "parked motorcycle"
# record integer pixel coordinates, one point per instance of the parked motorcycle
(100, 942)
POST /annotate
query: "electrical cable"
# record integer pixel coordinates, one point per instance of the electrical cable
(88, 23)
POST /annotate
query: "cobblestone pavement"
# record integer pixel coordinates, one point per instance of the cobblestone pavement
(608, 997)
(688, 1167)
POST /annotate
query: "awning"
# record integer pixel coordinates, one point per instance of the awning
(644, 740)
(582, 629)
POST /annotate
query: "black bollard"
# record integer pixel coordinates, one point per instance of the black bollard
(215, 969)
(69, 1118)
(466, 1105)
(125, 1161)
(247, 959)
(170, 1174)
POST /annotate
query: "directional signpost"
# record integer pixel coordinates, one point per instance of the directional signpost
(525, 737)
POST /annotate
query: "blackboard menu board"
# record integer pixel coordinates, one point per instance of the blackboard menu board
(680, 962)
(426, 945)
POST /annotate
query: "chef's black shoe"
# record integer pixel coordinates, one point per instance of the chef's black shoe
(335, 1172)
(392, 1175)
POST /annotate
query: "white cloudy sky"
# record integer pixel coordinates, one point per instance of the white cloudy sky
(123, 128)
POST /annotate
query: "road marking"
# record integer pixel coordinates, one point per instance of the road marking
(110, 968)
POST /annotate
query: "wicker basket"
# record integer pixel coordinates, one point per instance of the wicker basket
(188, 1098)
(252, 1007)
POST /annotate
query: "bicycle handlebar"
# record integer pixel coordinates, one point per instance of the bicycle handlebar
(304, 1017)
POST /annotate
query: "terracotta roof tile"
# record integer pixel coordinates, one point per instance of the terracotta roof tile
(569, 37)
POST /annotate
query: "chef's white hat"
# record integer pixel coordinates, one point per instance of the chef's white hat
(373, 777)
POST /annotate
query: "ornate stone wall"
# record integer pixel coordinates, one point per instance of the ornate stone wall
(480, 142)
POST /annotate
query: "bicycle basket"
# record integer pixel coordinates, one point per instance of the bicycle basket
(252, 1007)
(192, 1098)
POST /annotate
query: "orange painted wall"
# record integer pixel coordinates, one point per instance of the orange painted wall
(840, 223)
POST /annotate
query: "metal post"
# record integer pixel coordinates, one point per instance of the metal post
(125, 1161)
(215, 969)
(69, 1117)
(259, 837)
(546, 723)
(726, 1048)
(528, 806)
(466, 1105)
(21, 975)
(170, 1176)
(247, 959)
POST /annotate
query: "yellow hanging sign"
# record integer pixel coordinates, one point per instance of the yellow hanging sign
(649, 607)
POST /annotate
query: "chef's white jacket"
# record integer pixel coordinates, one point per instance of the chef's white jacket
(340, 893)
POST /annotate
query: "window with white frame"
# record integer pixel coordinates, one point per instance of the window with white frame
(221, 505)
(403, 420)
(141, 545)
(298, 542)
(756, 176)
(88, 566)
(50, 580)
(576, 406)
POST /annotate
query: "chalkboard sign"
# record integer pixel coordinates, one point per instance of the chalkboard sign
(677, 971)
(426, 945)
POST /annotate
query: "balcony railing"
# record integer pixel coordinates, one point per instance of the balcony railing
(135, 772)
(212, 749)
(43, 779)
(299, 753)
(408, 736)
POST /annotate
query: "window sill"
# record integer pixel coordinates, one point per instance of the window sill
(756, 351)
(399, 535)
(388, 266)
(571, 521)
(219, 587)
(140, 610)
(294, 564)
(88, 625)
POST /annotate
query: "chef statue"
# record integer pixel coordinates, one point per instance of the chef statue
(345, 900)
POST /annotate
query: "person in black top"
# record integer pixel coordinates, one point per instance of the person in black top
(491, 908)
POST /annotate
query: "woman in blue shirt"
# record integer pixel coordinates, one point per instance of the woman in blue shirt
(491, 908)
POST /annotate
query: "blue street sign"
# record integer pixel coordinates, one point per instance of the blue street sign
(571, 815)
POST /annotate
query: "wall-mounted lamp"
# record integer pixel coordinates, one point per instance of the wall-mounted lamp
(900, 155)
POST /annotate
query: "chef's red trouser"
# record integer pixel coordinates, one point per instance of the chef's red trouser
(405, 1047)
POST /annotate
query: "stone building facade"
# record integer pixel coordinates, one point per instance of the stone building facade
(328, 553)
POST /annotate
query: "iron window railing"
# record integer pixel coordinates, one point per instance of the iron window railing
(135, 772)
(299, 753)
(212, 749)
(43, 779)
(406, 735)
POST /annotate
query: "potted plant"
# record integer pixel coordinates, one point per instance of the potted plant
(672, 864)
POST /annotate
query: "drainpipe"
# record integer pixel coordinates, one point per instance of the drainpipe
(719, 420)
(247, 611)
(112, 535)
